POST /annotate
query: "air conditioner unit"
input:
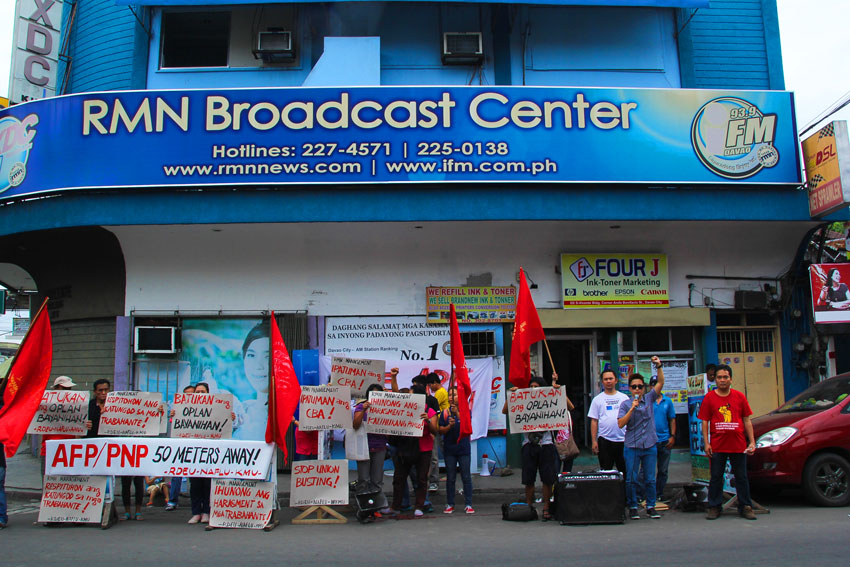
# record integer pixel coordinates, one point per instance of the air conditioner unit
(750, 300)
(155, 340)
(274, 46)
(462, 48)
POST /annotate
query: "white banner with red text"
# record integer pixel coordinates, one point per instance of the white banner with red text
(132, 456)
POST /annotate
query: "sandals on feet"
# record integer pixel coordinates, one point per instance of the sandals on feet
(138, 517)
(126, 516)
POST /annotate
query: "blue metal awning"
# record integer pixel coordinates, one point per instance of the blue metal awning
(619, 3)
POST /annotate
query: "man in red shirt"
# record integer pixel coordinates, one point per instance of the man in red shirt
(725, 414)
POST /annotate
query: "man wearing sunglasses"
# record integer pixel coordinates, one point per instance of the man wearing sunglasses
(637, 415)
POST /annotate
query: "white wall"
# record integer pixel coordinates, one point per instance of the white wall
(383, 268)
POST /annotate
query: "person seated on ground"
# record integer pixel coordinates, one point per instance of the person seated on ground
(156, 485)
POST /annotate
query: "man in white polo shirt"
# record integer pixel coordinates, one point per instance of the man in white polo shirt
(607, 436)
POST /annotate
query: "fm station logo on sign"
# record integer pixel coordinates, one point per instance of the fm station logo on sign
(733, 138)
(16, 139)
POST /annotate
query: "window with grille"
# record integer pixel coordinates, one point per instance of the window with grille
(478, 344)
(756, 340)
(729, 341)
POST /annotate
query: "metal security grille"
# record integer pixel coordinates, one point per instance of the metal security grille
(478, 344)
(729, 341)
(758, 341)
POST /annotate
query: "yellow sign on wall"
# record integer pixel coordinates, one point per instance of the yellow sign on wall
(827, 159)
(486, 304)
(593, 281)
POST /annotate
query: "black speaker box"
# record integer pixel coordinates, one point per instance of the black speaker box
(590, 498)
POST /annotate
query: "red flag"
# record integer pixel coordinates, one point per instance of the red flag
(26, 381)
(461, 373)
(284, 393)
(527, 331)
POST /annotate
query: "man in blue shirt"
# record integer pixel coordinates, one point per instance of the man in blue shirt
(665, 430)
(637, 415)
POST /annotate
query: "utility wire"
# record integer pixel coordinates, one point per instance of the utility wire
(842, 101)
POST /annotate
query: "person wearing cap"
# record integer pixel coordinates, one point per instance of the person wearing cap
(60, 383)
(665, 429)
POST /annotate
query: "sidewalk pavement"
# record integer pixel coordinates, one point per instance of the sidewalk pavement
(24, 478)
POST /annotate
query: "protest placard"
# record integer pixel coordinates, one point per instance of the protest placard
(61, 412)
(316, 483)
(246, 504)
(160, 456)
(537, 409)
(325, 407)
(202, 416)
(68, 498)
(394, 413)
(131, 414)
(357, 373)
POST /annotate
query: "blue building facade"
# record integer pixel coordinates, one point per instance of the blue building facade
(614, 101)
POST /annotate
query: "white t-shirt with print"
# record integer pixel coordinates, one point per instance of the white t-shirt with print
(605, 408)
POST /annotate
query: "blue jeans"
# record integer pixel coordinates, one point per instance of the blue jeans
(637, 459)
(452, 461)
(174, 493)
(738, 464)
(663, 465)
(4, 519)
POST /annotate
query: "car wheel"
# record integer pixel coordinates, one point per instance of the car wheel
(826, 480)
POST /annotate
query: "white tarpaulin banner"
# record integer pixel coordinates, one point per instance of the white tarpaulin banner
(62, 412)
(319, 483)
(481, 379)
(160, 456)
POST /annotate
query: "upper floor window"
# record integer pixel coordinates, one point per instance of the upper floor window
(195, 39)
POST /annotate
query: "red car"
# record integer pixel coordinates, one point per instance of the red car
(806, 443)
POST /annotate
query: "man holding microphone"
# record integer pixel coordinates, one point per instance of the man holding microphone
(637, 415)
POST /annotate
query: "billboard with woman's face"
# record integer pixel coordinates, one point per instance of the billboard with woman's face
(232, 356)
(830, 294)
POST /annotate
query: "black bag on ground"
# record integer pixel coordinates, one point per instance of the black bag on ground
(518, 512)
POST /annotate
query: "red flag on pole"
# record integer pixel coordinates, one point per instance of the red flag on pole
(461, 373)
(284, 393)
(527, 331)
(25, 383)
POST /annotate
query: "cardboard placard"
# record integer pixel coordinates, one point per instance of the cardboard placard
(394, 413)
(317, 483)
(537, 409)
(131, 414)
(69, 498)
(246, 504)
(159, 456)
(357, 373)
(61, 412)
(325, 407)
(202, 416)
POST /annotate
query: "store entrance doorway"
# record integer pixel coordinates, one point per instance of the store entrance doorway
(571, 356)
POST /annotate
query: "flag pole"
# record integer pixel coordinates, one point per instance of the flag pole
(5, 378)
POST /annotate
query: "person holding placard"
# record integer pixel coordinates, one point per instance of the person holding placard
(200, 488)
(415, 452)
(538, 455)
(176, 481)
(456, 452)
(101, 388)
(60, 383)
(637, 416)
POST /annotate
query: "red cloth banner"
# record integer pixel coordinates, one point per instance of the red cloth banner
(461, 373)
(527, 331)
(284, 393)
(26, 382)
